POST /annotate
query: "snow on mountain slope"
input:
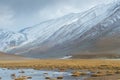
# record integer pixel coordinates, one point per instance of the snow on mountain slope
(45, 29)
(10, 39)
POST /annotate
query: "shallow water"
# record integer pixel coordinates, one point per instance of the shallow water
(37, 74)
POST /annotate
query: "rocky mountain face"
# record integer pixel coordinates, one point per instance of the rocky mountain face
(96, 30)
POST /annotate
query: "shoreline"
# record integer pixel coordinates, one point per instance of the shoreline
(103, 69)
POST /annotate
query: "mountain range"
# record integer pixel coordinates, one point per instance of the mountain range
(96, 30)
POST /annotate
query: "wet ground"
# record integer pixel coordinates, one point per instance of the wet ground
(5, 74)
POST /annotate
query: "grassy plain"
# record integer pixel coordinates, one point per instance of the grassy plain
(102, 64)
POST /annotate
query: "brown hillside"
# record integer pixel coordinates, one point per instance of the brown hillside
(4, 56)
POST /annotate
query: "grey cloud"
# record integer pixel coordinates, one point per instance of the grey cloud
(26, 13)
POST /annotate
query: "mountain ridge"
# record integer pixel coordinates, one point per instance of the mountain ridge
(73, 33)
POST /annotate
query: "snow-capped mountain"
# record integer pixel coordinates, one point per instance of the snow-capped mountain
(94, 30)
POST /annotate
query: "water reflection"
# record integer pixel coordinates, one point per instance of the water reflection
(31, 74)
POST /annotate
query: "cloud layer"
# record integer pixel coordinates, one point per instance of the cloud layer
(6, 17)
(17, 14)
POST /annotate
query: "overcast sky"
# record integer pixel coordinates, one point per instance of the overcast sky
(18, 14)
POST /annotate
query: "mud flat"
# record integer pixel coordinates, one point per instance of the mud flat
(112, 77)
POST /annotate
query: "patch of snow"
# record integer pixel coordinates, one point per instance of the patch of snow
(66, 57)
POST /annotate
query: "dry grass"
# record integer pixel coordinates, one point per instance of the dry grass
(92, 64)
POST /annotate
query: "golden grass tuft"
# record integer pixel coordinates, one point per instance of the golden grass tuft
(76, 74)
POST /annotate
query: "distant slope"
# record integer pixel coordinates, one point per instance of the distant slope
(99, 55)
(4, 56)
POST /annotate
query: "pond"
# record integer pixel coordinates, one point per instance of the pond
(5, 74)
